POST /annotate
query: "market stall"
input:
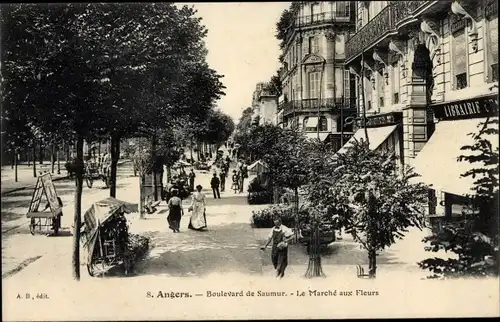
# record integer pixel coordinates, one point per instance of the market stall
(106, 238)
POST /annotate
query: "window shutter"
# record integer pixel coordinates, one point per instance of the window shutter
(347, 83)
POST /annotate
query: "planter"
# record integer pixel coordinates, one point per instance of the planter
(325, 237)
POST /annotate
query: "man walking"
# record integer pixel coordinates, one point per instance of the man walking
(214, 183)
(279, 236)
(223, 175)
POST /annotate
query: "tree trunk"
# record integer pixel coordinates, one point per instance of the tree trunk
(52, 158)
(34, 159)
(115, 155)
(296, 209)
(153, 159)
(210, 146)
(169, 174)
(141, 195)
(78, 208)
(40, 152)
(68, 156)
(314, 268)
(99, 148)
(28, 156)
(372, 263)
(15, 166)
(13, 160)
(191, 150)
(58, 155)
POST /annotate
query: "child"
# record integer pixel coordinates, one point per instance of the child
(235, 186)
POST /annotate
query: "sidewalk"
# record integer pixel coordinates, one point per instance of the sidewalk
(25, 176)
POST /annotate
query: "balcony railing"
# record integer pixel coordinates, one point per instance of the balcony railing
(340, 15)
(377, 28)
(323, 104)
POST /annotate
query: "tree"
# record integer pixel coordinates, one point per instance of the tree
(374, 201)
(474, 238)
(286, 22)
(283, 152)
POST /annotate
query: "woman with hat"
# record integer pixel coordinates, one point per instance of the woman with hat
(198, 219)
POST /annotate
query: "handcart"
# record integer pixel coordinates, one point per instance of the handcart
(95, 171)
(105, 235)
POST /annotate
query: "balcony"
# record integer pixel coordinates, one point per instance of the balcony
(324, 105)
(385, 23)
(325, 18)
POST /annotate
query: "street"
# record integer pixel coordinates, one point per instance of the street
(226, 256)
(230, 244)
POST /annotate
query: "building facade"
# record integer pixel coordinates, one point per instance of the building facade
(318, 91)
(427, 74)
(264, 105)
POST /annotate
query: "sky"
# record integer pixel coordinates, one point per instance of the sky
(242, 47)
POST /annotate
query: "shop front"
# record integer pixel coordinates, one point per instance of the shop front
(438, 162)
(384, 132)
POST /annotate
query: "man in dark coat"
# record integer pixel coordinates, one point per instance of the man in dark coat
(214, 183)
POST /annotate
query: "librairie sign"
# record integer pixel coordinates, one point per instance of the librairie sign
(469, 108)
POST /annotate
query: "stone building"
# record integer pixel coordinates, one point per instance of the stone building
(318, 91)
(264, 106)
(428, 74)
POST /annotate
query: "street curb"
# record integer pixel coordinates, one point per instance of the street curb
(28, 187)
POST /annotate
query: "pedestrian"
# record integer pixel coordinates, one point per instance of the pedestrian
(214, 183)
(280, 236)
(244, 175)
(222, 176)
(192, 175)
(198, 219)
(175, 211)
(235, 178)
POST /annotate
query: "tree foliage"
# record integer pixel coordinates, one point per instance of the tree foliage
(374, 203)
(474, 238)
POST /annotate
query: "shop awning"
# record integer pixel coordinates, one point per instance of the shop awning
(314, 135)
(437, 162)
(376, 136)
(312, 121)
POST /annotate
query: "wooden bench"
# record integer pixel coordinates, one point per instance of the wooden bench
(361, 272)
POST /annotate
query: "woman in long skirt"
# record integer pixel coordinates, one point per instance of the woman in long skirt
(175, 211)
(198, 219)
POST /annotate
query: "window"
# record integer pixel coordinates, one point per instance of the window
(342, 9)
(347, 85)
(323, 124)
(459, 55)
(314, 12)
(314, 82)
(491, 33)
(368, 90)
(313, 45)
(380, 89)
(395, 83)
(339, 77)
